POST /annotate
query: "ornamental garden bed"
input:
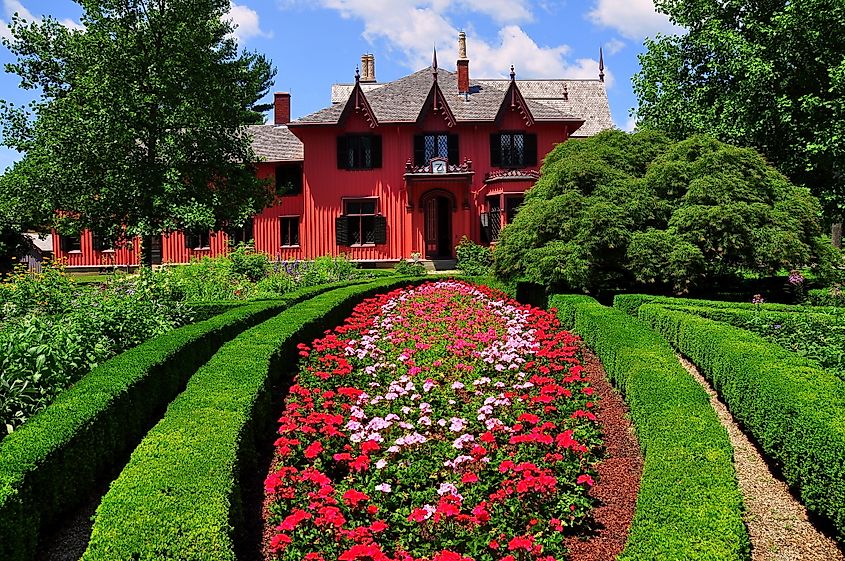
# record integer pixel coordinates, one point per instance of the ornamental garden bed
(443, 422)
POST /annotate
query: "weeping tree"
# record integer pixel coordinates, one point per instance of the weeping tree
(140, 126)
(637, 210)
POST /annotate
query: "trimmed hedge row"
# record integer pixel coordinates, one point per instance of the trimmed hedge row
(630, 304)
(826, 297)
(180, 495)
(793, 408)
(689, 506)
(55, 459)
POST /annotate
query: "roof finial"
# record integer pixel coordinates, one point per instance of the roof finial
(601, 65)
(434, 63)
(513, 74)
(357, 74)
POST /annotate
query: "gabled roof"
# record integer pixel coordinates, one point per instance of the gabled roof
(586, 99)
(275, 143)
(402, 101)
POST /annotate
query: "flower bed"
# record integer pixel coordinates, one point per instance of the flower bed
(443, 422)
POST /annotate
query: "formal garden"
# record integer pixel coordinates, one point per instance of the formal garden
(648, 364)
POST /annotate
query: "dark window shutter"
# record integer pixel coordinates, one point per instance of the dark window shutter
(376, 147)
(530, 149)
(495, 150)
(294, 234)
(485, 227)
(64, 243)
(380, 230)
(341, 225)
(419, 150)
(342, 158)
(189, 240)
(453, 149)
(97, 242)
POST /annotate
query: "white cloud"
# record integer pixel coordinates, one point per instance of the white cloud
(247, 23)
(413, 27)
(12, 7)
(502, 11)
(614, 46)
(634, 19)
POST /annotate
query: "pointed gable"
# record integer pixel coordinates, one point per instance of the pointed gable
(358, 103)
(436, 103)
(514, 101)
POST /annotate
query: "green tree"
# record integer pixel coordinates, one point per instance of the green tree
(763, 73)
(140, 127)
(622, 210)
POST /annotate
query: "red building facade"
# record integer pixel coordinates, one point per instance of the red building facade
(393, 169)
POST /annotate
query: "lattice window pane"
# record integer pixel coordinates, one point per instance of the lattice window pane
(442, 146)
(430, 147)
(518, 149)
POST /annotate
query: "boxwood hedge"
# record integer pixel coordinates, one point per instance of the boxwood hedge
(630, 304)
(180, 495)
(55, 460)
(689, 506)
(793, 408)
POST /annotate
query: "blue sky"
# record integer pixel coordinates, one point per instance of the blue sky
(314, 43)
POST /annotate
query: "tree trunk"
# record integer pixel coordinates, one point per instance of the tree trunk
(147, 251)
(836, 235)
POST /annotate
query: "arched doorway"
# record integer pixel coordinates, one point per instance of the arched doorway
(438, 206)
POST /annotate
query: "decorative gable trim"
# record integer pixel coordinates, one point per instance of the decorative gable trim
(357, 103)
(436, 102)
(514, 101)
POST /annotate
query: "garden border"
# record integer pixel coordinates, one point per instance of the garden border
(180, 495)
(631, 303)
(55, 459)
(791, 406)
(689, 505)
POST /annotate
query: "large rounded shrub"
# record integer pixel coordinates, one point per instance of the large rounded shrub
(619, 210)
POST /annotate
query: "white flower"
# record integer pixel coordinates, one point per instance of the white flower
(384, 487)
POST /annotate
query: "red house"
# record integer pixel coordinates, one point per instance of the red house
(394, 169)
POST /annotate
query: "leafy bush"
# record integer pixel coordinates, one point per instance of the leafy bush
(688, 476)
(53, 331)
(622, 210)
(793, 408)
(249, 264)
(473, 259)
(409, 268)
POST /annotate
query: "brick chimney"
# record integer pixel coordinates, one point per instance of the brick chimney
(281, 108)
(370, 64)
(365, 68)
(463, 64)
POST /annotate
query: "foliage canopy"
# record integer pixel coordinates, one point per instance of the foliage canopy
(622, 209)
(141, 120)
(765, 74)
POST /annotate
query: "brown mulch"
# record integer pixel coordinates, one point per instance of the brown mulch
(619, 473)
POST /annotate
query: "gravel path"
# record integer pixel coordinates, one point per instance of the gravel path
(777, 523)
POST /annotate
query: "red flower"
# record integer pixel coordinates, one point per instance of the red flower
(493, 544)
(469, 478)
(419, 515)
(352, 498)
(521, 542)
(279, 542)
(370, 552)
(313, 450)
(378, 526)
(585, 479)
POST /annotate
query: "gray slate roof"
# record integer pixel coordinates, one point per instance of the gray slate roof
(401, 100)
(587, 99)
(275, 143)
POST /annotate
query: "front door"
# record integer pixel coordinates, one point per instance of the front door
(438, 227)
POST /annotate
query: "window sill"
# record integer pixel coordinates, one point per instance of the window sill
(363, 245)
(75, 251)
(289, 246)
(106, 251)
(201, 249)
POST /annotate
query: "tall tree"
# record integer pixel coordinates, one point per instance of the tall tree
(763, 73)
(140, 127)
